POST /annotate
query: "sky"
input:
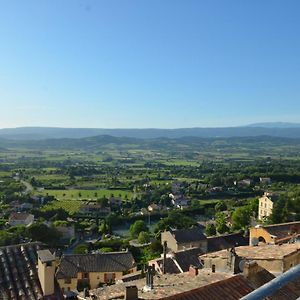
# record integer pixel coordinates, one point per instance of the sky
(149, 63)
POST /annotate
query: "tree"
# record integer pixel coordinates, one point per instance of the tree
(220, 206)
(280, 211)
(42, 233)
(210, 229)
(104, 228)
(144, 237)
(137, 227)
(241, 218)
(221, 223)
(103, 202)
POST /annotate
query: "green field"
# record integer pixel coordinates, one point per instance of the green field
(85, 194)
(71, 206)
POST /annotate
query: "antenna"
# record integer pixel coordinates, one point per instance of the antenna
(165, 256)
(150, 271)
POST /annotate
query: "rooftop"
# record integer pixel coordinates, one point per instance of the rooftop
(18, 272)
(70, 265)
(164, 285)
(188, 235)
(230, 289)
(45, 255)
(283, 230)
(216, 243)
(259, 252)
(19, 216)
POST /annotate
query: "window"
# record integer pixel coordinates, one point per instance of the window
(213, 268)
(67, 280)
(85, 275)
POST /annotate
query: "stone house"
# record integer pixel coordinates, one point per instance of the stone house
(93, 270)
(20, 219)
(265, 205)
(184, 239)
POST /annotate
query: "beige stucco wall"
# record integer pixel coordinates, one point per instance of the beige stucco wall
(65, 286)
(171, 243)
(291, 261)
(261, 232)
(46, 277)
(265, 207)
(94, 279)
(173, 246)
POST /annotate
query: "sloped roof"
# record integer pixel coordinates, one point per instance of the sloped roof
(261, 276)
(264, 251)
(171, 267)
(70, 265)
(188, 235)
(283, 230)
(19, 216)
(18, 272)
(226, 241)
(230, 289)
(188, 257)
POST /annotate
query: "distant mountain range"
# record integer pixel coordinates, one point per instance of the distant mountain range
(278, 129)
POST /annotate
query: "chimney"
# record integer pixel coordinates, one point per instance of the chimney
(150, 271)
(131, 292)
(193, 271)
(165, 256)
(46, 271)
(250, 268)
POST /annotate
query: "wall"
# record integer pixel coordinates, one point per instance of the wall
(261, 232)
(265, 207)
(46, 277)
(174, 247)
(171, 243)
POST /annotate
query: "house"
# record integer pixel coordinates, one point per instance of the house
(18, 218)
(184, 239)
(274, 258)
(29, 273)
(265, 205)
(177, 262)
(93, 269)
(275, 233)
(215, 190)
(243, 183)
(179, 201)
(94, 208)
(265, 180)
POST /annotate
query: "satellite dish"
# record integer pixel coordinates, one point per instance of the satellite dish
(241, 265)
(254, 241)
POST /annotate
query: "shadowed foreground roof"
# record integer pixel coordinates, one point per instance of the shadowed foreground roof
(230, 289)
(70, 265)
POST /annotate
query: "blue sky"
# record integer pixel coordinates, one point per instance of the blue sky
(158, 63)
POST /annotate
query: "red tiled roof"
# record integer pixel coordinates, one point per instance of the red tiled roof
(230, 289)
